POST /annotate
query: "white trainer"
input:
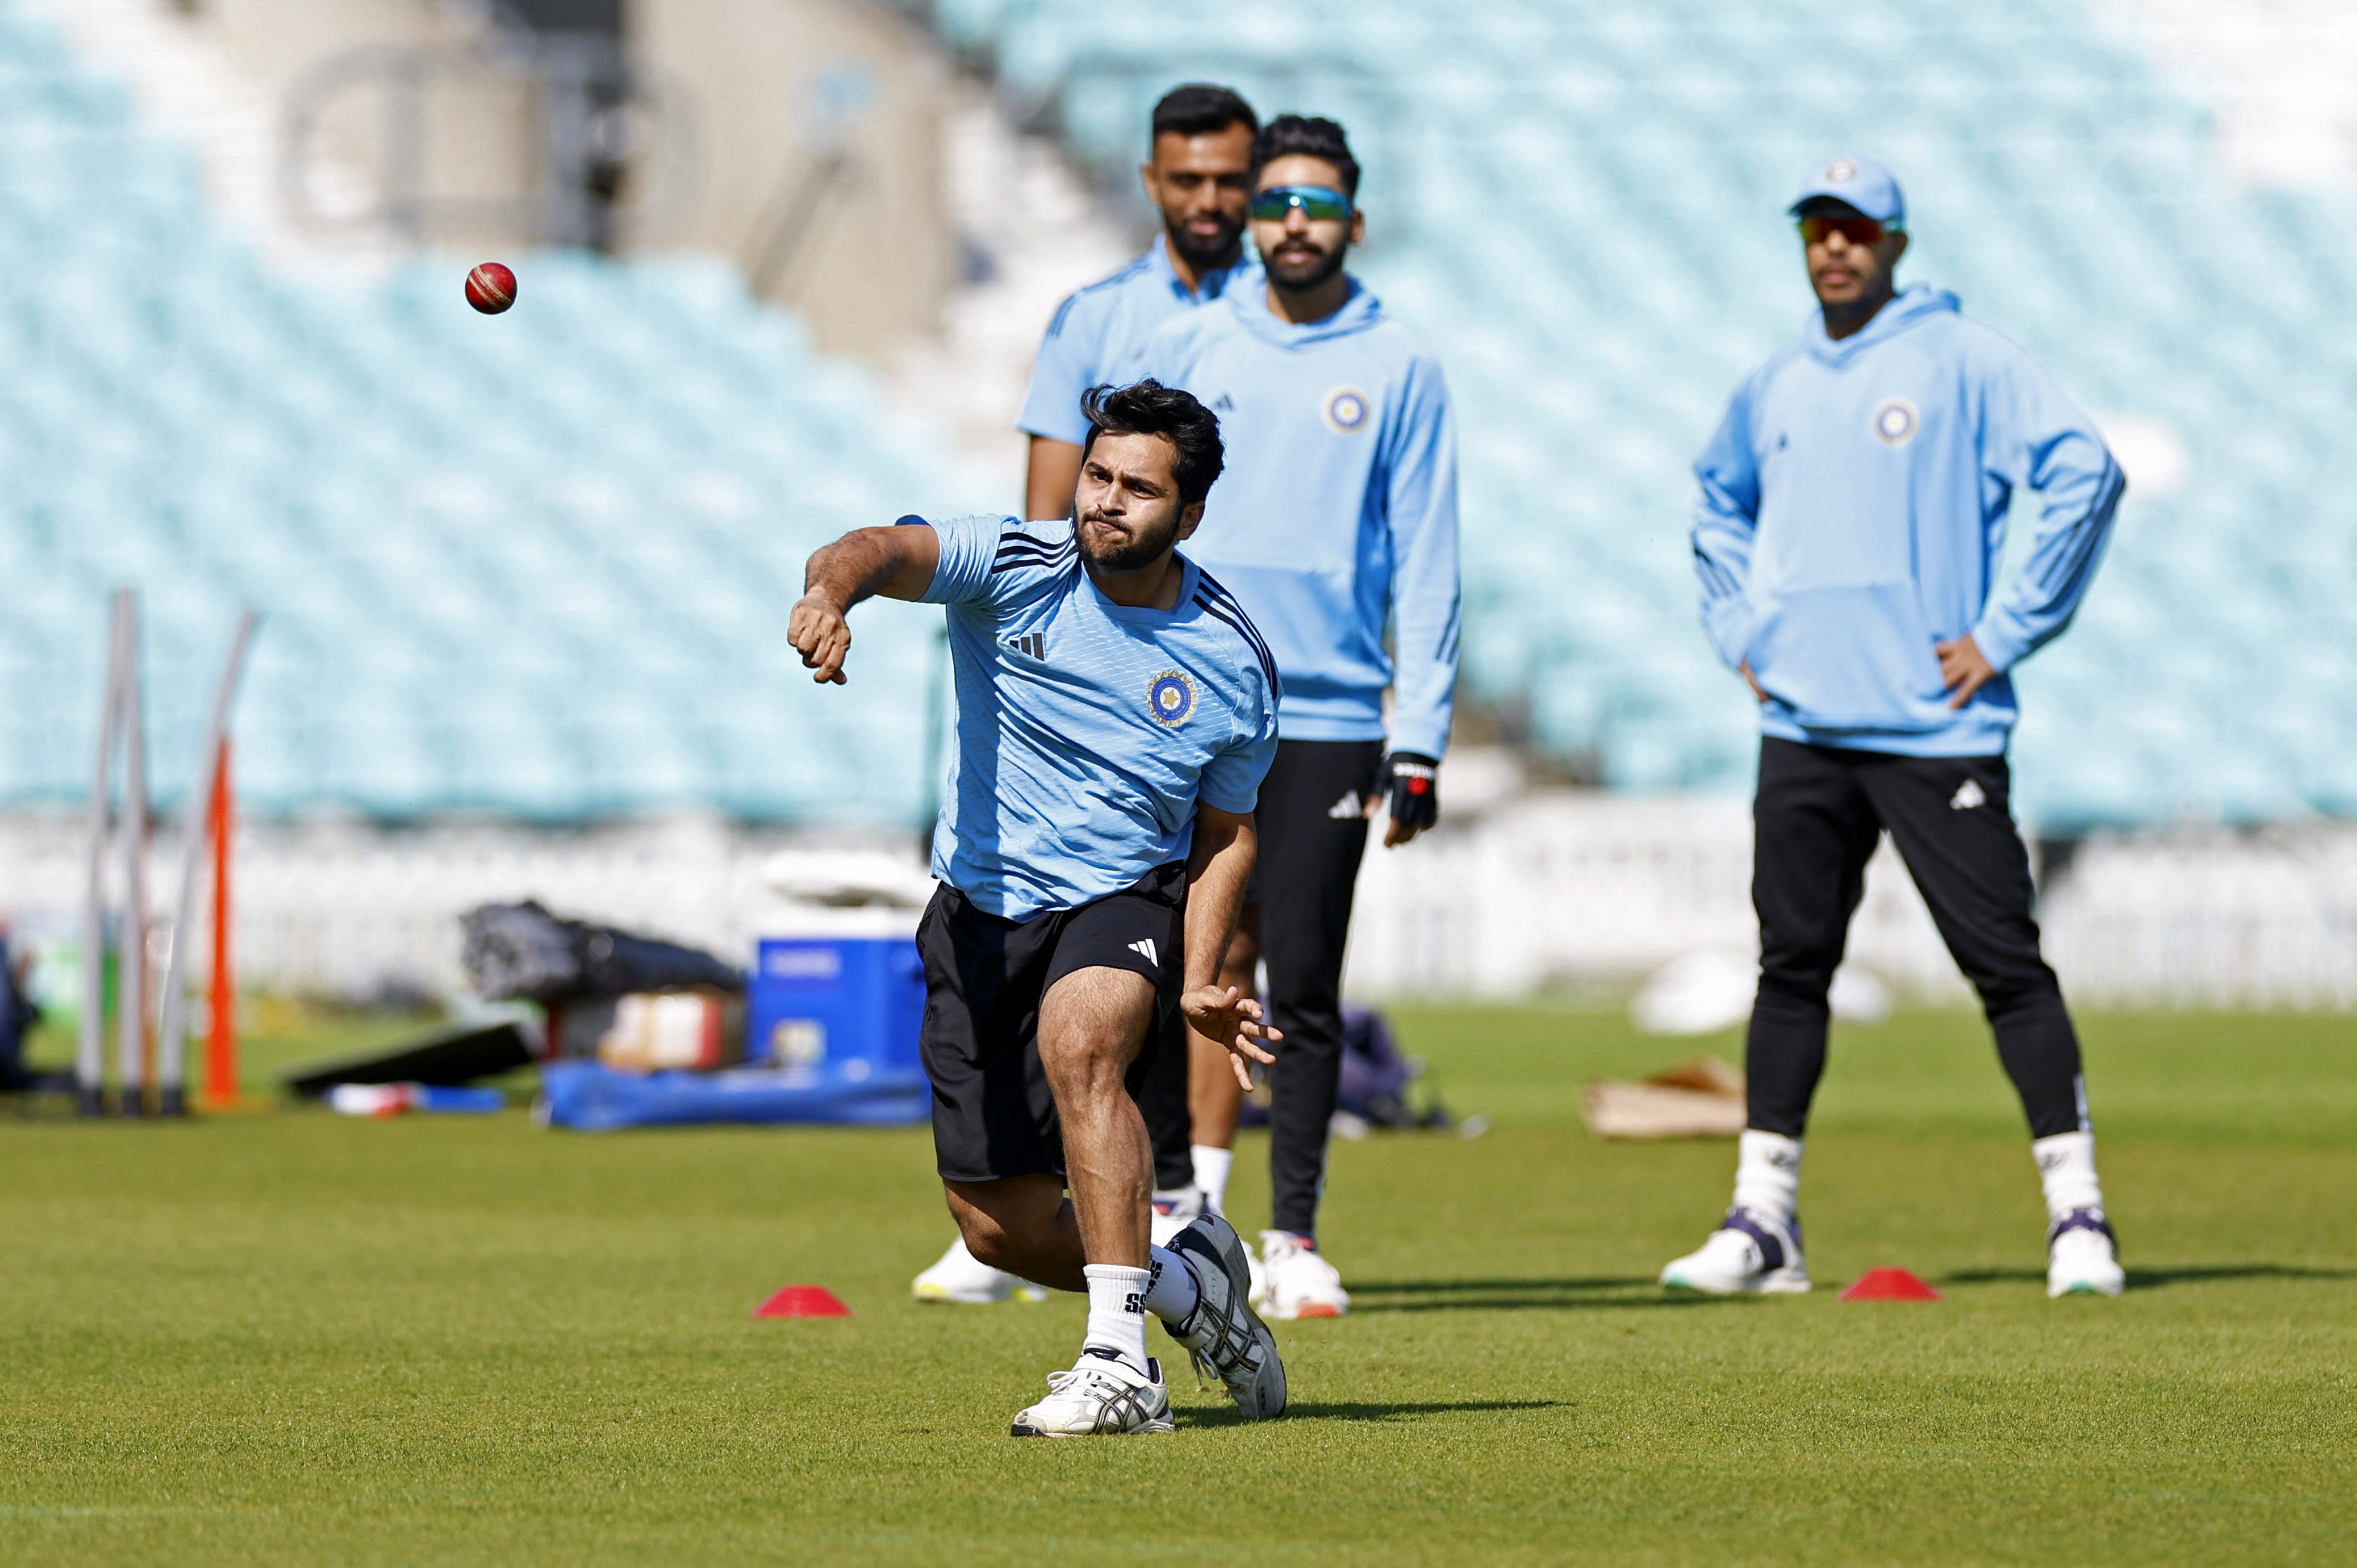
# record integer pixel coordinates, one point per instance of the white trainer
(962, 1279)
(1299, 1283)
(1749, 1254)
(2082, 1256)
(1173, 1212)
(1224, 1336)
(1101, 1396)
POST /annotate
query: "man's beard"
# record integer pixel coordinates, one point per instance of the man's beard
(1300, 277)
(1200, 253)
(1141, 551)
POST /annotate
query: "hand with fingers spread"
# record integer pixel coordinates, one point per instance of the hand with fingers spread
(819, 632)
(1224, 1014)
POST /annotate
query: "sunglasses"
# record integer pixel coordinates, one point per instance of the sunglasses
(1316, 202)
(1856, 231)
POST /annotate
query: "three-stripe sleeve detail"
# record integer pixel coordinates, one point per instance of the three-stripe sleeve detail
(1716, 578)
(1233, 616)
(2066, 577)
(1019, 551)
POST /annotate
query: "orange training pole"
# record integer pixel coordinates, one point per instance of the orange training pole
(220, 1046)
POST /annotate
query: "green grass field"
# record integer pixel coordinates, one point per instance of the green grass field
(296, 1339)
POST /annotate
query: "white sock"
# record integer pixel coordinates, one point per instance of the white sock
(1116, 1312)
(1174, 1290)
(1768, 1174)
(2066, 1165)
(1211, 1168)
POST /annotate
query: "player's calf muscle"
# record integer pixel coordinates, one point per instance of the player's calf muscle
(1021, 1224)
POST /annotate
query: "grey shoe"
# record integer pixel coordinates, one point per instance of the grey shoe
(1224, 1336)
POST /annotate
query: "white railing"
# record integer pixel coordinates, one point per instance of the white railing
(1539, 892)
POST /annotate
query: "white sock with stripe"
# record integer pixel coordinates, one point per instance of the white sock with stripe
(1116, 1312)
(1767, 1175)
(2066, 1168)
(1174, 1290)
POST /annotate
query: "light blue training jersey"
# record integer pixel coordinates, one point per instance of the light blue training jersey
(1099, 328)
(1853, 513)
(1088, 732)
(1336, 514)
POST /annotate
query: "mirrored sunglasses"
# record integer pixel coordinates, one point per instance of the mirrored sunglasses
(1316, 202)
(1856, 231)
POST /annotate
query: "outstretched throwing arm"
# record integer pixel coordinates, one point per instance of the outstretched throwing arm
(897, 563)
(1218, 869)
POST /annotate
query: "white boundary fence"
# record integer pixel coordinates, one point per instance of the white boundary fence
(1537, 892)
(1547, 889)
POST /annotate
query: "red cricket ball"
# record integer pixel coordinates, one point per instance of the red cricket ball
(491, 288)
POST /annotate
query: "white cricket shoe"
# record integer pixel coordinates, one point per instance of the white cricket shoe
(1747, 1254)
(2082, 1256)
(1101, 1396)
(966, 1280)
(1298, 1282)
(1173, 1212)
(1224, 1336)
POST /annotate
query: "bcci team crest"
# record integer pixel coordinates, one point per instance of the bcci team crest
(1840, 171)
(1171, 698)
(1895, 421)
(1346, 411)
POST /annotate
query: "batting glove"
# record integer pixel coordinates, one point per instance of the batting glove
(1412, 783)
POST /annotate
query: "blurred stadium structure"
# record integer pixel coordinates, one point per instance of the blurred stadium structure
(523, 578)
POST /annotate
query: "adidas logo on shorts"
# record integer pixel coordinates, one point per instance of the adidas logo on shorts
(1968, 795)
(1145, 947)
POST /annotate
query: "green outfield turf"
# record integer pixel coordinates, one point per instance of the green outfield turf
(294, 1338)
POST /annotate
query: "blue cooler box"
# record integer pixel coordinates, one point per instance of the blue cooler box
(826, 1001)
(831, 1024)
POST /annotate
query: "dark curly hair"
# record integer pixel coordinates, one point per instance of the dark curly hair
(1290, 135)
(1198, 109)
(1149, 408)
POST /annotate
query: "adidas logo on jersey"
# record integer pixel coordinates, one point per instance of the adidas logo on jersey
(1345, 808)
(1145, 948)
(1031, 644)
(1968, 795)
(1225, 405)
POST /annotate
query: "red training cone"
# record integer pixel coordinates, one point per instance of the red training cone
(803, 1301)
(1889, 1284)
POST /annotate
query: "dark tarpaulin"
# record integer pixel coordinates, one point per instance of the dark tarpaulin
(522, 952)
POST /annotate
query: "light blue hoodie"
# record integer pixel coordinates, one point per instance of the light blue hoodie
(1101, 326)
(1337, 510)
(1853, 513)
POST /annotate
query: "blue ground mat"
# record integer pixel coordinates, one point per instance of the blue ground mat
(589, 1098)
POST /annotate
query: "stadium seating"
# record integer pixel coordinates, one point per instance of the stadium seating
(1579, 205)
(537, 565)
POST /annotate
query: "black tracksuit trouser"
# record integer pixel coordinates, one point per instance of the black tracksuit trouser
(1312, 838)
(1818, 814)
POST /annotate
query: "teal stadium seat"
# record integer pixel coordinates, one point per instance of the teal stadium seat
(536, 566)
(1580, 208)
(540, 565)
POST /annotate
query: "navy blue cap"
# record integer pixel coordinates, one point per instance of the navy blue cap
(1862, 182)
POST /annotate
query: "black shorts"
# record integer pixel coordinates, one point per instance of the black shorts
(994, 1116)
